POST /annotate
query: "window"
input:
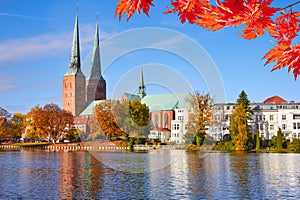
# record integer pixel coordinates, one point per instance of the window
(296, 116)
(227, 107)
(271, 127)
(261, 127)
(283, 117)
(180, 117)
(166, 120)
(298, 125)
(271, 117)
(175, 127)
(295, 125)
(156, 121)
(284, 126)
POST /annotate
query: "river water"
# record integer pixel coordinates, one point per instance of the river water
(160, 174)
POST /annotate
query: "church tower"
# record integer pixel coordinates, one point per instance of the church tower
(141, 92)
(96, 85)
(74, 79)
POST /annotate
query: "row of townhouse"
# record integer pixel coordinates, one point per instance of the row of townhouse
(267, 118)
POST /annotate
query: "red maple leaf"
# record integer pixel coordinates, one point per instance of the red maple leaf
(285, 56)
(130, 6)
(287, 27)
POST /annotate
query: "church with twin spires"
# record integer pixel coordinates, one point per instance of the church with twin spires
(79, 92)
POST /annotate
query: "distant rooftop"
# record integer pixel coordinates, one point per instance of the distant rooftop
(167, 101)
(275, 99)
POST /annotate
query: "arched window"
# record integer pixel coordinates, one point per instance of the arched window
(166, 120)
(156, 121)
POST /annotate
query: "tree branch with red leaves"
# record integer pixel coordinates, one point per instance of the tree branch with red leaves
(256, 15)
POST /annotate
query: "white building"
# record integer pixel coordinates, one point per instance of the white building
(267, 118)
(179, 125)
(219, 129)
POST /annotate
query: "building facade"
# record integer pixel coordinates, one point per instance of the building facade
(267, 118)
(78, 92)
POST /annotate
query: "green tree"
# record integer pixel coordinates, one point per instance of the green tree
(200, 116)
(294, 145)
(257, 146)
(279, 139)
(17, 125)
(238, 127)
(243, 99)
(139, 113)
(73, 135)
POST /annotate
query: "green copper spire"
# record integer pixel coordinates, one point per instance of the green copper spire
(141, 92)
(74, 67)
(96, 63)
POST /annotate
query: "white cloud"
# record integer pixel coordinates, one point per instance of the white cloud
(46, 45)
(7, 84)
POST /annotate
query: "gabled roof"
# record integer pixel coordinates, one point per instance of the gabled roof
(167, 101)
(131, 97)
(80, 120)
(89, 109)
(275, 99)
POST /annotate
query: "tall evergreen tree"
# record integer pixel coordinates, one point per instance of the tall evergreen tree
(243, 99)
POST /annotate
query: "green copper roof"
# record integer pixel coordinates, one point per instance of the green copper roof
(74, 67)
(167, 101)
(96, 63)
(89, 109)
(132, 97)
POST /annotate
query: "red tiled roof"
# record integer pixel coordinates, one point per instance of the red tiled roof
(275, 99)
(162, 129)
(81, 120)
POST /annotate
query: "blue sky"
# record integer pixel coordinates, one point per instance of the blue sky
(35, 46)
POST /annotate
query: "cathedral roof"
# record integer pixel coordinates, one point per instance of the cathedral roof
(166, 101)
(89, 109)
(131, 97)
(96, 62)
(74, 67)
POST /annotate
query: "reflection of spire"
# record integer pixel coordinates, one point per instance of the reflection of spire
(74, 67)
(96, 64)
(141, 92)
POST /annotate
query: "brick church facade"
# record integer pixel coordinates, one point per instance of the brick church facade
(79, 92)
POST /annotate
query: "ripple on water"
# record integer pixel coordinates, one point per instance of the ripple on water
(156, 175)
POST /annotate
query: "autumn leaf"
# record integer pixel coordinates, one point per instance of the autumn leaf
(285, 56)
(130, 6)
(287, 27)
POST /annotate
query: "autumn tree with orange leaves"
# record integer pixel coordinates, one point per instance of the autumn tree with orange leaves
(49, 121)
(257, 17)
(107, 120)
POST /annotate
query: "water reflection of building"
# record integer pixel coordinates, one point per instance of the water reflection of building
(79, 171)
